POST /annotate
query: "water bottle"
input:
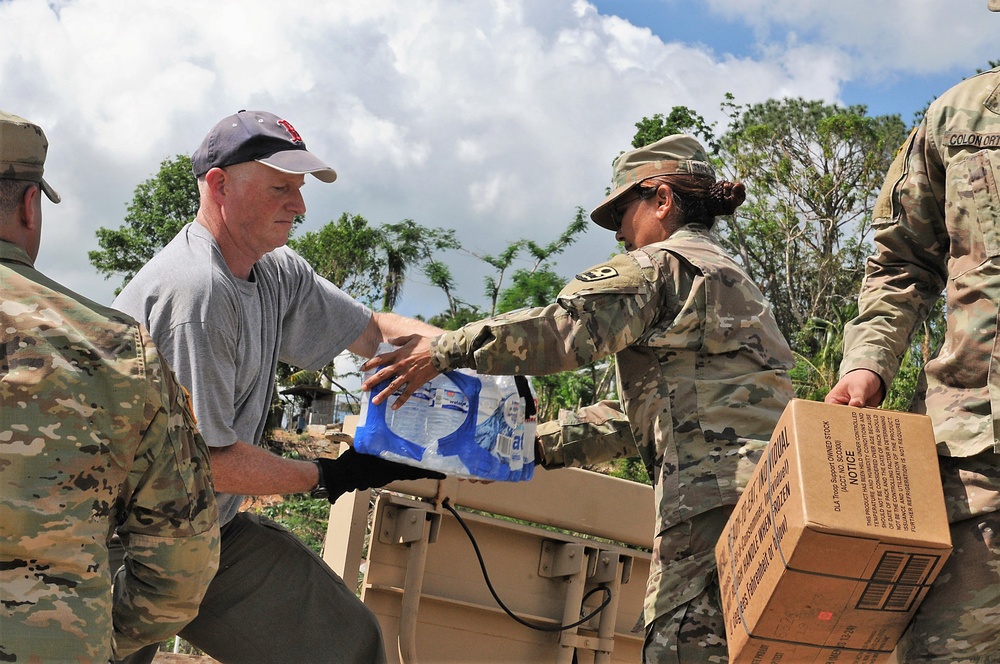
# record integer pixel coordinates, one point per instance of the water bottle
(410, 421)
(448, 410)
(460, 423)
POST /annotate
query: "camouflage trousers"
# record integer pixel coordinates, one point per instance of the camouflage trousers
(693, 631)
(274, 600)
(959, 620)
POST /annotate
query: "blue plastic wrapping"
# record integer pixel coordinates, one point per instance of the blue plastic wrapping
(461, 423)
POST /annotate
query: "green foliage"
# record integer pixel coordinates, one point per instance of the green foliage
(452, 320)
(821, 348)
(160, 207)
(345, 252)
(370, 263)
(306, 517)
(530, 289)
(569, 390)
(458, 313)
(526, 285)
(183, 647)
(680, 120)
(405, 244)
(812, 172)
(544, 252)
(631, 469)
(501, 263)
(538, 286)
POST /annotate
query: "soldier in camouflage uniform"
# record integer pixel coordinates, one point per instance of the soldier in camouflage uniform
(702, 370)
(95, 435)
(938, 229)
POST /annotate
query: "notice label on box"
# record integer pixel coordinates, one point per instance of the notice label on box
(873, 464)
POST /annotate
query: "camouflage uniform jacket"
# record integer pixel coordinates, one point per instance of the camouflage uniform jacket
(95, 434)
(702, 371)
(937, 226)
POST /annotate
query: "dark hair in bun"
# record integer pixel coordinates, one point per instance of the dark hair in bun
(701, 200)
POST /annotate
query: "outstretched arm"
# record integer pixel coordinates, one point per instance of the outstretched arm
(389, 327)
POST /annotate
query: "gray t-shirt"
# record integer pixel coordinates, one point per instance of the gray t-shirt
(223, 336)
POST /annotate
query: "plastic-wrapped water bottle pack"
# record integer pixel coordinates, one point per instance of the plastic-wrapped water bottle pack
(460, 423)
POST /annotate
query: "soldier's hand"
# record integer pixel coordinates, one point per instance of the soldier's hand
(858, 388)
(406, 368)
(352, 471)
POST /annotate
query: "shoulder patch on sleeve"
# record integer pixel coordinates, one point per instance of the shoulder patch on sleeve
(621, 273)
(597, 274)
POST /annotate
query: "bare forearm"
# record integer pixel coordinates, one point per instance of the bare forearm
(389, 326)
(249, 470)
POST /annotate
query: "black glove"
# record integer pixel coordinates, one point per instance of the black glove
(352, 471)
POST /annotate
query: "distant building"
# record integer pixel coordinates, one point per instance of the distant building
(322, 405)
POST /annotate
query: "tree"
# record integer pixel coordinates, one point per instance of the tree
(406, 244)
(370, 263)
(538, 285)
(159, 209)
(345, 252)
(813, 172)
(458, 312)
(680, 120)
(501, 263)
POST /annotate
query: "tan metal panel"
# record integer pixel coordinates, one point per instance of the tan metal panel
(422, 579)
(458, 619)
(569, 498)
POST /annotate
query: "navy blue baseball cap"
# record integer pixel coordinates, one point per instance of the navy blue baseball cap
(258, 136)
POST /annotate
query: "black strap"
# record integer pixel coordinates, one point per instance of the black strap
(524, 391)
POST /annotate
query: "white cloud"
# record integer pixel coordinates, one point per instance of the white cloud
(913, 36)
(494, 117)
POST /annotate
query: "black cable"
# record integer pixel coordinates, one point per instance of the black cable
(489, 584)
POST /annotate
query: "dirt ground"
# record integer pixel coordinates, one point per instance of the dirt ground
(313, 442)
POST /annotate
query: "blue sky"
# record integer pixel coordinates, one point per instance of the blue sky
(496, 118)
(899, 87)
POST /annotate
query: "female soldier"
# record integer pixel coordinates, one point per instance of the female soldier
(702, 372)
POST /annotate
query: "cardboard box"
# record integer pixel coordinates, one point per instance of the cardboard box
(837, 538)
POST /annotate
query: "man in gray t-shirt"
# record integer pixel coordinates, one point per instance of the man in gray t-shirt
(225, 300)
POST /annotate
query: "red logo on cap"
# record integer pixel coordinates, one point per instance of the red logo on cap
(291, 130)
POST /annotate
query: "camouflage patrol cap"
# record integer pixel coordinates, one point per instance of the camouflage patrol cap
(676, 154)
(22, 152)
